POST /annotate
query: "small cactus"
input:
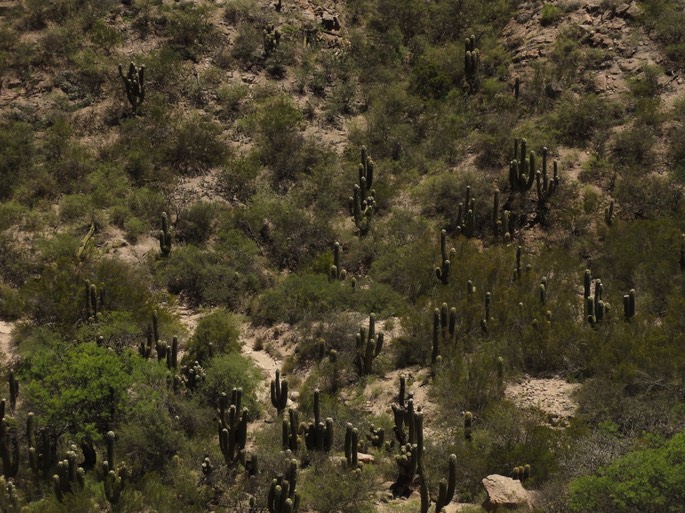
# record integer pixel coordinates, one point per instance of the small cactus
(165, 237)
(279, 393)
(115, 475)
(368, 347)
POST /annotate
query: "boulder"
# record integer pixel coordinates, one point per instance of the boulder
(505, 492)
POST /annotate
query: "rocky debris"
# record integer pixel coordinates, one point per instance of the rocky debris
(552, 396)
(365, 458)
(330, 21)
(505, 492)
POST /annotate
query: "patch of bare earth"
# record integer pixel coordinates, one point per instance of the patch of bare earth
(6, 349)
(551, 396)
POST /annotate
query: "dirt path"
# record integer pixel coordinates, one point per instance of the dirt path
(7, 352)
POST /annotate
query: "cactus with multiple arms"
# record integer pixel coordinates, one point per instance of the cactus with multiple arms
(279, 393)
(363, 202)
(69, 477)
(13, 385)
(283, 496)
(115, 475)
(134, 85)
(443, 272)
(318, 436)
(232, 427)
(368, 347)
(290, 427)
(446, 488)
(9, 450)
(336, 273)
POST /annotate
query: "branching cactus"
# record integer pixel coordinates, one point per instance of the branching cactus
(443, 272)
(134, 85)
(336, 272)
(291, 425)
(165, 237)
(446, 488)
(362, 203)
(69, 477)
(596, 309)
(279, 393)
(546, 186)
(42, 449)
(318, 435)
(115, 475)
(376, 437)
(468, 425)
(232, 427)
(471, 63)
(95, 300)
(410, 459)
(13, 385)
(444, 328)
(368, 347)
(466, 215)
(351, 445)
(9, 450)
(682, 252)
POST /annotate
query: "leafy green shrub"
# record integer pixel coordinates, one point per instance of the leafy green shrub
(196, 145)
(248, 45)
(226, 372)
(634, 145)
(134, 227)
(330, 487)
(195, 224)
(436, 71)
(16, 139)
(238, 179)
(217, 333)
(549, 15)
(190, 29)
(578, 120)
(646, 480)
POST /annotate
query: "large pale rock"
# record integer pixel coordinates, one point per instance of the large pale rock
(505, 492)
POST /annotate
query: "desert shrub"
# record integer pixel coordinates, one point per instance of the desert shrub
(549, 15)
(190, 29)
(646, 85)
(436, 71)
(330, 488)
(238, 179)
(196, 145)
(226, 372)
(81, 390)
(634, 145)
(248, 45)
(578, 120)
(195, 224)
(16, 139)
(217, 333)
(645, 480)
(667, 19)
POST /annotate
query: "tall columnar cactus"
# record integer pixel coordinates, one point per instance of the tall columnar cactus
(466, 215)
(629, 305)
(232, 427)
(134, 85)
(376, 436)
(69, 477)
(9, 450)
(95, 300)
(546, 186)
(351, 445)
(609, 214)
(13, 385)
(446, 488)
(336, 273)
(542, 292)
(42, 448)
(115, 475)
(291, 425)
(368, 346)
(318, 436)
(496, 221)
(596, 309)
(165, 237)
(443, 272)
(468, 425)
(522, 168)
(682, 252)
(279, 393)
(410, 459)
(172, 355)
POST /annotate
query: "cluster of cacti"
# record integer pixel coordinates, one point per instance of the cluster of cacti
(444, 328)
(233, 430)
(520, 473)
(13, 385)
(69, 477)
(443, 271)
(484, 322)
(272, 38)
(95, 300)
(376, 437)
(351, 445)
(471, 62)
(9, 447)
(115, 475)
(42, 449)
(446, 488)
(318, 436)
(291, 426)
(279, 393)
(518, 270)
(629, 305)
(336, 273)
(165, 237)
(368, 346)
(207, 468)
(283, 496)
(134, 85)
(194, 375)
(546, 186)
(410, 459)
(595, 308)
(362, 202)
(9, 501)
(466, 215)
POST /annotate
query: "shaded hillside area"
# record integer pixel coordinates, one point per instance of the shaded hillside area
(342, 257)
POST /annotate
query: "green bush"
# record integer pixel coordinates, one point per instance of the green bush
(579, 120)
(217, 333)
(195, 224)
(645, 480)
(549, 15)
(226, 372)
